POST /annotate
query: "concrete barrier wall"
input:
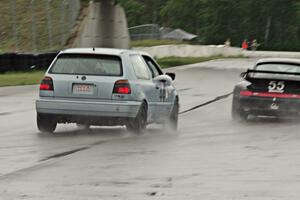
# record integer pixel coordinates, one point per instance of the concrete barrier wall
(104, 26)
(277, 54)
(190, 51)
(211, 50)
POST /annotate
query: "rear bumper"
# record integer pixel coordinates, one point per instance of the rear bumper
(119, 109)
(269, 106)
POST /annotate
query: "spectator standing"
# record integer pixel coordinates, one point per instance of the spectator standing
(245, 45)
(227, 42)
(254, 45)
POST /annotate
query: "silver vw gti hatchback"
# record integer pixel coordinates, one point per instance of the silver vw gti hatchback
(106, 87)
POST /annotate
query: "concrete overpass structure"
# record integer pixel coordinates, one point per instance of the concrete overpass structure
(104, 26)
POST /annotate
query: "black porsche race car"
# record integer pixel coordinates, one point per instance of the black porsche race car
(271, 88)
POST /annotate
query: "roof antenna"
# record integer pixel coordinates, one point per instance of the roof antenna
(93, 48)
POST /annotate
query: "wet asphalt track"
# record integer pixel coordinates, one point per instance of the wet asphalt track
(210, 157)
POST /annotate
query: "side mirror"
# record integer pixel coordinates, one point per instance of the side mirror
(243, 74)
(165, 79)
(172, 75)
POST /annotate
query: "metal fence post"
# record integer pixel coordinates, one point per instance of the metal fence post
(33, 26)
(72, 14)
(14, 22)
(77, 6)
(49, 22)
(62, 16)
(67, 8)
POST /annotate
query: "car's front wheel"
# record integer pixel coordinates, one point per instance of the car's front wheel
(46, 123)
(139, 123)
(172, 122)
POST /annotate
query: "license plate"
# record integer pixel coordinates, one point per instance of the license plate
(83, 89)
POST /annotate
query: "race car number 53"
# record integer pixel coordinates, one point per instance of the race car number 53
(276, 86)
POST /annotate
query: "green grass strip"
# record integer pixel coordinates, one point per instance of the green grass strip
(21, 78)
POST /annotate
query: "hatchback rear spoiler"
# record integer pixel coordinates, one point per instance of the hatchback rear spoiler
(245, 74)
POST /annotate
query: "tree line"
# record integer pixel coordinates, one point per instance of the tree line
(275, 24)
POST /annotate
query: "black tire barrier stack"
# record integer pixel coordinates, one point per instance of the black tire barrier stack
(25, 62)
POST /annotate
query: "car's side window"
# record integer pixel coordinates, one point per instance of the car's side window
(139, 67)
(155, 71)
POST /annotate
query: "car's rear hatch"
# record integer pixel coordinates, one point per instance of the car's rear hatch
(85, 76)
(274, 83)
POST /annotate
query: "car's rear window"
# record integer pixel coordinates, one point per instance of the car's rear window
(86, 64)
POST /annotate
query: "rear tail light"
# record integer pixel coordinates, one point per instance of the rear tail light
(122, 87)
(47, 84)
(246, 93)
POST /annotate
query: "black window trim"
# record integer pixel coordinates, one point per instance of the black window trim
(136, 54)
(156, 65)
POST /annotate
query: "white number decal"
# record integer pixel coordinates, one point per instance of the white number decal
(280, 85)
(272, 85)
(276, 86)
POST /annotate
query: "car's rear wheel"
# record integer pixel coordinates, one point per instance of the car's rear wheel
(139, 123)
(237, 114)
(46, 123)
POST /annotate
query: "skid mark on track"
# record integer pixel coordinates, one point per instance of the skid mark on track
(183, 89)
(51, 157)
(5, 113)
(207, 103)
(64, 153)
